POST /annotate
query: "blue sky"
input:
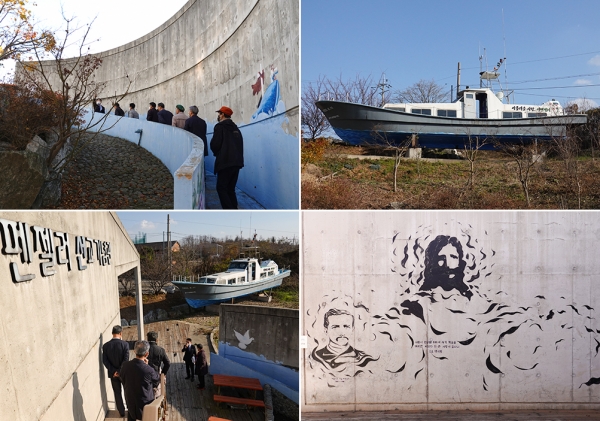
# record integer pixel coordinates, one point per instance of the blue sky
(218, 224)
(413, 40)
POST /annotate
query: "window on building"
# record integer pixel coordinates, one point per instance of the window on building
(537, 114)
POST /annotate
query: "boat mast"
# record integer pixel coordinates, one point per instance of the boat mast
(458, 80)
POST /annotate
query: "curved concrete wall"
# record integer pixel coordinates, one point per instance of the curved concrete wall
(210, 54)
(180, 151)
(503, 313)
(52, 327)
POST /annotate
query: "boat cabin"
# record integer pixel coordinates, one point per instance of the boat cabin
(241, 271)
(480, 103)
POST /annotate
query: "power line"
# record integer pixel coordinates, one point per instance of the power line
(214, 225)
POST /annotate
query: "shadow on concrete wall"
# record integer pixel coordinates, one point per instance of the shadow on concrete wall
(78, 413)
(103, 396)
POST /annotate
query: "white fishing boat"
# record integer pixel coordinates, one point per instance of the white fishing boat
(244, 276)
(476, 114)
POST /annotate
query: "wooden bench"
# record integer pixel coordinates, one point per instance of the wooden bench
(239, 401)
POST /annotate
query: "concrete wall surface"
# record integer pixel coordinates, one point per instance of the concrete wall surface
(439, 310)
(180, 151)
(243, 54)
(262, 339)
(53, 326)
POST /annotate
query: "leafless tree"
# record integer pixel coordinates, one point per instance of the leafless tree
(127, 283)
(72, 81)
(399, 149)
(313, 121)
(471, 149)
(424, 91)
(155, 269)
(526, 156)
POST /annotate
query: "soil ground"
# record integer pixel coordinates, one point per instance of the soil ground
(337, 179)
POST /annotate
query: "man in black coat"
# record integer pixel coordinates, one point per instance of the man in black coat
(139, 381)
(114, 354)
(99, 108)
(118, 110)
(157, 357)
(152, 113)
(164, 116)
(189, 355)
(197, 126)
(227, 145)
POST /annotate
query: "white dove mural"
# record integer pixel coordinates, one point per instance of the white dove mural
(244, 339)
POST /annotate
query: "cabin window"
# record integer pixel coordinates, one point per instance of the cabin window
(271, 273)
(263, 275)
(537, 114)
(470, 96)
(238, 265)
(424, 111)
(211, 280)
(230, 281)
(243, 279)
(446, 113)
(510, 114)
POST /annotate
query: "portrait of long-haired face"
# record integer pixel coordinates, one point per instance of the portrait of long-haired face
(445, 266)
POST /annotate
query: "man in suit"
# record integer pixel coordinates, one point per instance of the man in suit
(99, 108)
(197, 126)
(114, 353)
(139, 381)
(189, 351)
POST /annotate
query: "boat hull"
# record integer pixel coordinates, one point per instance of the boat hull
(200, 295)
(362, 124)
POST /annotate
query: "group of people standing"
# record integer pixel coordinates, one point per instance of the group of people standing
(195, 362)
(227, 143)
(140, 377)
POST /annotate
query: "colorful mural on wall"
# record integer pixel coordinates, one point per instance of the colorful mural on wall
(450, 307)
(270, 102)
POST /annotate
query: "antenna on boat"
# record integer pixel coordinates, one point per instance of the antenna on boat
(505, 69)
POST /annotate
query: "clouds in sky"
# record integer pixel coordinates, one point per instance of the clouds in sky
(147, 224)
(595, 61)
(583, 82)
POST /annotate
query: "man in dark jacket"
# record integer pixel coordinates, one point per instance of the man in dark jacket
(189, 351)
(118, 110)
(201, 366)
(152, 113)
(139, 381)
(227, 145)
(99, 108)
(197, 126)
(158, 355)
(114, 353)
(164, 116)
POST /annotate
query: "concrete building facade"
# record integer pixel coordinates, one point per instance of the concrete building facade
(59, 301)
(450, 311)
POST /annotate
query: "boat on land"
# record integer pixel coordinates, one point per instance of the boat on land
(244, 276)
(477, 117)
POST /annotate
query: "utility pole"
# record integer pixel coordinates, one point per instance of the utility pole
(384, 86)
(458, 80)
(169, 247)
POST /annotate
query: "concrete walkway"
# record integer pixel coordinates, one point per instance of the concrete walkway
(212, 198)
(533, 415)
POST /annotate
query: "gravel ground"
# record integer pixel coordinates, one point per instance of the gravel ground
(112, 173)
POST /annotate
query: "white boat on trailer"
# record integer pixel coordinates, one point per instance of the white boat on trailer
(477, 113)
(244, 276)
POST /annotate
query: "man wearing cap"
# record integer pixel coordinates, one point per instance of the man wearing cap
(152, 113)
(179, 118)
(164, 116)
(227, 145)
(197, 126)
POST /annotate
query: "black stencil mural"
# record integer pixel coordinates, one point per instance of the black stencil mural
(333, 355)
(449, 306)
